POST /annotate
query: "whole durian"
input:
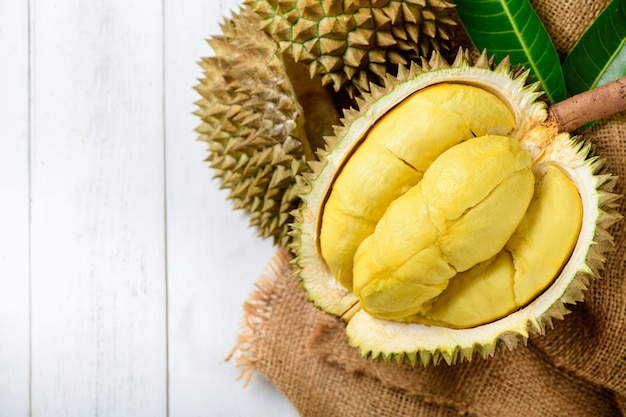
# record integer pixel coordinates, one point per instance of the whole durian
(449, 216)
(351, 43)
(263, 117)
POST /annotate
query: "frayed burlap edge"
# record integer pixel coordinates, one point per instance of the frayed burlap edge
(257, 340)
(256, 312)
(305, 354)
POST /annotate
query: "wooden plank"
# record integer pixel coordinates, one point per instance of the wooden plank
(98, 222)
(213, 256)
(14, 209)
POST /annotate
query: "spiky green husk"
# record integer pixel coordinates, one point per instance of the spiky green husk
(354, 42)
(412, 343)
(253, 124)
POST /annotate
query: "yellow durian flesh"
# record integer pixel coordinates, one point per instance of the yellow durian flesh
(479, 295)
(461, 213)
(424, 339)
(546, 237)
(531, 259)
(477, 193)
(442, 202)
(398, 149)
(376, 175)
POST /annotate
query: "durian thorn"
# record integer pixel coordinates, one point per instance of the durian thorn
(461, 59)
(504, 65)
(484, 61)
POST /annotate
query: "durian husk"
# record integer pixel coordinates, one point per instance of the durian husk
(351, 43)
(418, 343)
(256, 117)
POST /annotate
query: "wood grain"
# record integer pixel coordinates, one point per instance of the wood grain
(14, 209)
(214, 258)
(98, 255)
(123, 268)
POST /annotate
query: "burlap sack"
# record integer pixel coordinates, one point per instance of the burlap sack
(577, 369)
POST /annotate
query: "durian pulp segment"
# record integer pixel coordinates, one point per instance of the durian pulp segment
(443, 203)
(546, 237)
(431, 341)
(530, 261)
(463, 212)
(393, 158)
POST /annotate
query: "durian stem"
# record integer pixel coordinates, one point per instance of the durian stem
(591, 105)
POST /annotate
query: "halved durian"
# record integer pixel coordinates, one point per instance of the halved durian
(437, 240)
(263, 118)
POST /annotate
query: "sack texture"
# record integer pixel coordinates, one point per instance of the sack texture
(578, 368)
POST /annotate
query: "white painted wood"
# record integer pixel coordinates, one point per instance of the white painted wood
(214, 258)
(14, 228)
(85, 255)
(98, 223)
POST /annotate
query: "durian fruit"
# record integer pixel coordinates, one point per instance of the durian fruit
(263, 117)
(354, 42)
(448, 216)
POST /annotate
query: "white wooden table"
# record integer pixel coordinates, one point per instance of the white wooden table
(122, 267)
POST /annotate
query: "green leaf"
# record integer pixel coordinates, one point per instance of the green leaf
(599, 56)
(511, 27)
